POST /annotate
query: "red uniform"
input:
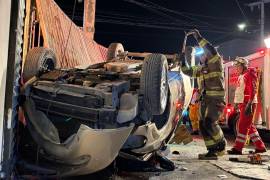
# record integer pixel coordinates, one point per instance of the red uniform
(246, 92)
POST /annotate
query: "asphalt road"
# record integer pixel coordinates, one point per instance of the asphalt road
(189, 167)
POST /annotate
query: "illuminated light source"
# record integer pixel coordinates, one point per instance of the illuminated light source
(241, 26)
(267, 42)
(229, 110)
(199, 51)
(262, 51)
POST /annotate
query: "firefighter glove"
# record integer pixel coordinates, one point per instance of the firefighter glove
(182, 59)
(248, 109)
(196, 33)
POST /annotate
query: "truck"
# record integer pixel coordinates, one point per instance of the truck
(261, 61)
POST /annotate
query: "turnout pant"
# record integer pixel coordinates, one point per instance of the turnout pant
(209, 111)
(245, 127)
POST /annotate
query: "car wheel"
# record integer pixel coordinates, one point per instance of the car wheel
(113, 50)
(154, 83)
(38, 61)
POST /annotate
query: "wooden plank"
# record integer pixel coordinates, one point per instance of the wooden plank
(122, 66)
(70, 43)
(26, 30)
(89, 17)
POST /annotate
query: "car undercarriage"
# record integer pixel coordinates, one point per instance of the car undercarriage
(81, 119)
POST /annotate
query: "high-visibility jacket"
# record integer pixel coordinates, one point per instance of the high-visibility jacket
(210, 76)
(246, 89)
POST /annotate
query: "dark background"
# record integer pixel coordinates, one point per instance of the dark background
(158, 25)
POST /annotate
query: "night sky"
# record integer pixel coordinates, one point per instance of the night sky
(158, 25)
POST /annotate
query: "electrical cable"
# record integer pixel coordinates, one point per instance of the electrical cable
(153, 9)
(179, 13)
(154, 26)
(144, 21)
(242, 11)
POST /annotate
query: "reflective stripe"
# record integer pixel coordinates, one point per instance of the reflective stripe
(203, 42)
(215, 88)
(240, 140)
(215, 93)
(241, 135)
(253, 135)
(195, 70)
(256, 139)
(214, 59)
(209, 143)
(218, 136)
(211, 75)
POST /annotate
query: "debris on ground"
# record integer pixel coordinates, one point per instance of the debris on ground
(183, 169)
(176, 152)
(252, 158)
(222, 176)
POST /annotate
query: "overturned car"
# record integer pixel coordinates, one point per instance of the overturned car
(82, 118)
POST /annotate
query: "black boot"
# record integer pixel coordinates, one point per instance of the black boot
(234, 151)
(221, 148)
(211, 155)
(195, 132)
(260, 150)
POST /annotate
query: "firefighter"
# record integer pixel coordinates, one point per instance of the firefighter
(246, 99)
(209, 74)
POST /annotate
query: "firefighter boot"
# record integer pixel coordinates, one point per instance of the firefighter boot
(210, 155)
(260, 150)
(234, 151)
(221, 148)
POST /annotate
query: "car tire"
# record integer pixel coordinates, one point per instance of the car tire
(113, 50)
(165, 163)
(154, 83)
(38, 61)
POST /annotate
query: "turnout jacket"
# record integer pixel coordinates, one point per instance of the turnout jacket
(210, 75)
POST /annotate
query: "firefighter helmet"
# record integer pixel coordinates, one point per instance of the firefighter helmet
(240, 61)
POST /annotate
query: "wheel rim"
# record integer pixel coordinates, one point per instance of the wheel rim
(118, 51)
(163, 89)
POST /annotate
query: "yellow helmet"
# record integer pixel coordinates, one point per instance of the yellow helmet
(240, 61)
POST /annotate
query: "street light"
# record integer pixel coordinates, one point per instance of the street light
(242, 26)
(267, 42)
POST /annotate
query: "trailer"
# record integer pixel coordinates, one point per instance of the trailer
(261, 61)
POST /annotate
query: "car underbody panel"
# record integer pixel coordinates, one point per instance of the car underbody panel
(86, 151)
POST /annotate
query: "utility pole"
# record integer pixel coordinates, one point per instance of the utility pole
(260, 4)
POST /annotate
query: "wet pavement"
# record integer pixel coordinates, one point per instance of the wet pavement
(189, 167)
